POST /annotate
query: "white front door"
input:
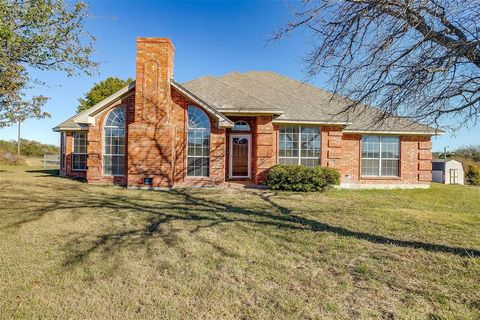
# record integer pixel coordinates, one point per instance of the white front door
(240, 156)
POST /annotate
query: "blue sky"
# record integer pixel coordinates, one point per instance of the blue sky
(210, 38)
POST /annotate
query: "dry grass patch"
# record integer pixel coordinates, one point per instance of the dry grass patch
(71, 250)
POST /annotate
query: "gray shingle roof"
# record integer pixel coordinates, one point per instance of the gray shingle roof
(287, 99)
(298, 101)
(225, 97)
(69, 124)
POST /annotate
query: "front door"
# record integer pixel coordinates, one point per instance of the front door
(240, 150)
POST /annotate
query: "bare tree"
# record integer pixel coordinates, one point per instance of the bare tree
(415, 58)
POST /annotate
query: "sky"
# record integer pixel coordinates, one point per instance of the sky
(210, 38)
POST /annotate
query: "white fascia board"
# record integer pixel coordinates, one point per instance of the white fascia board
(233, 112)
(223, 122)
(388, 132)
(60, 129)
(319, 122)
(88, 116)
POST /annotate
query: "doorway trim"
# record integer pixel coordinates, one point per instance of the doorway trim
(230, 148)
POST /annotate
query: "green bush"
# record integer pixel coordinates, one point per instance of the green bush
(473, 175)
(301, 178)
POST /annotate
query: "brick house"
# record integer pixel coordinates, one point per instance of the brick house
(159, 133)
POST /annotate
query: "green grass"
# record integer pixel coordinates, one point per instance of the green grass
(72, 250)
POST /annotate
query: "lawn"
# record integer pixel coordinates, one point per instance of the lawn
(72, 250)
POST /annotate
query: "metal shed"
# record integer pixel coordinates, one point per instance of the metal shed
(450, 172)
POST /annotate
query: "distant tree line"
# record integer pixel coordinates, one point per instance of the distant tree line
(30, 148)
(467, 152)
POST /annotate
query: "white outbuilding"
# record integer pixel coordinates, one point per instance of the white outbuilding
(450, 172)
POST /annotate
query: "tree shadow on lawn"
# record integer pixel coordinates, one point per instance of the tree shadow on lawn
(182, 205)
(45, 172)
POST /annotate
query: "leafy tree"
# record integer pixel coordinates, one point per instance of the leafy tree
(416, 58)
(42, 35)
(470, 152)
(100, 91)
(473, 175)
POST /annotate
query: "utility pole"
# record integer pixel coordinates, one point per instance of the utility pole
(18, 139)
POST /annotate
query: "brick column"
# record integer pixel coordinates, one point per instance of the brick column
(264, 155)
(151, 136)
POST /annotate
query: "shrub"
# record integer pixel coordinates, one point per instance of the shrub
(473, 175)
(301, 178)
(8, 158)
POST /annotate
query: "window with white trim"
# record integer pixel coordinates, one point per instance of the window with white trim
(299, 145)
(380, 156)
(114, 143)
(62, 151)
(79, 153)
(241, 126)
(198, 141)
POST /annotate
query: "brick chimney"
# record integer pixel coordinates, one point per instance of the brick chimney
(151, 136)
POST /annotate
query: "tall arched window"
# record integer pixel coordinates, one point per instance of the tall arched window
(114, 143)
(198, 151)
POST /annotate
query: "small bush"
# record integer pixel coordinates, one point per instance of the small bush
(301, 178)
(473, 175)
(8, 158)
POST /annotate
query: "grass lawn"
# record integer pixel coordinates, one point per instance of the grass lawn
(72, 250)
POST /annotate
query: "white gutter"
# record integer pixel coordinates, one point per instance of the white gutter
(223, 122)
(249, 112)
(88, 116)
(388, 132)
(319, 122)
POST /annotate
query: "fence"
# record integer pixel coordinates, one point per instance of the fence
(51, 160)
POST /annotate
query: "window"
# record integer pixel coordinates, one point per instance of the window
(114, 143)
(79, 154)
(241, 126)
(198, 151)
(380, 156)
(62, 152)
(299, 145)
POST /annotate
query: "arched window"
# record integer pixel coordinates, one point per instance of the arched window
(241, 126)
(198, 140)
(114, 143)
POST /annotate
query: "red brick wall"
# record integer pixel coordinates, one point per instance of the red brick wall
(95, 145)
(151, 136)
(217, 145)
(265, 151)
(415, 161)
(331, 147)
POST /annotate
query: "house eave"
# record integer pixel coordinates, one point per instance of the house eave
(223, 122)
(60, 129)
(88, 116)
(316, 122)
(395, 132)
(239, 112)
